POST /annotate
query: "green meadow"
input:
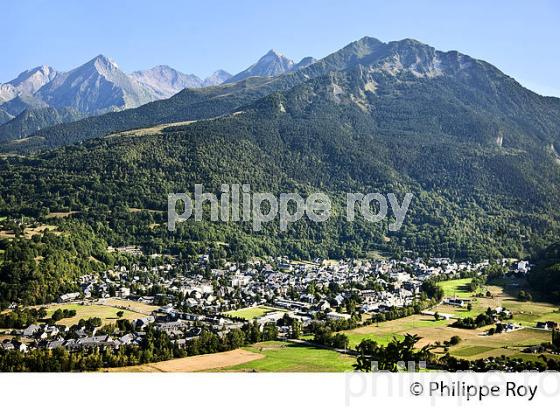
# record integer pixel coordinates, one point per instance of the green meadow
(294, 357)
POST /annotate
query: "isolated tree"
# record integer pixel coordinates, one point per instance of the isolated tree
(42, 312)
(57, 315)
(295, 332)
(270, 331)
(556, 339)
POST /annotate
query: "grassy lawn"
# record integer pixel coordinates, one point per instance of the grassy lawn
(251, 313)
(108, 314)
(293, 357)
(456, 288)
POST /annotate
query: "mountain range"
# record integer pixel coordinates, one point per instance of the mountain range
(478, 151)
(43, 97)
(373, 57)
(165, 81)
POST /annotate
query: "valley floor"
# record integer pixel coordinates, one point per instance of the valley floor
(200, 363)
(475, 343)
(273, 356)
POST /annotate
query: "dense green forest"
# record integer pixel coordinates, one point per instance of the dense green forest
(39, 269)
(32, 120)
(545, 276)
(472, 198)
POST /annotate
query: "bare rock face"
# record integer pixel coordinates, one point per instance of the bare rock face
(164, 81)
(7, 92)
(30, 81)
(95, 87)
(27, 83)
(5, 117)
(305, 62)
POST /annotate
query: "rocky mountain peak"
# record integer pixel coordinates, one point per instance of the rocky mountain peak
(271, 64)
(216, 78)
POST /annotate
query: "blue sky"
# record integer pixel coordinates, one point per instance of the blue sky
(520, 37)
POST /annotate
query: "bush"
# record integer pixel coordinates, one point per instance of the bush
(454, 340)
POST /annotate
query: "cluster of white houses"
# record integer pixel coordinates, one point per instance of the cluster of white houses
(199, 299)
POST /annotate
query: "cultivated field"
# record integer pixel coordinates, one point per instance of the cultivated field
(475, 346)
(273, 356)
(474, 343)
(195, 363)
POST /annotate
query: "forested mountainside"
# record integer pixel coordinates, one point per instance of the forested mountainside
(477, 150)
(545, 276)
(34, 119)
(475, 196)
(189, 104)
(5, 117)
(39, 270)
